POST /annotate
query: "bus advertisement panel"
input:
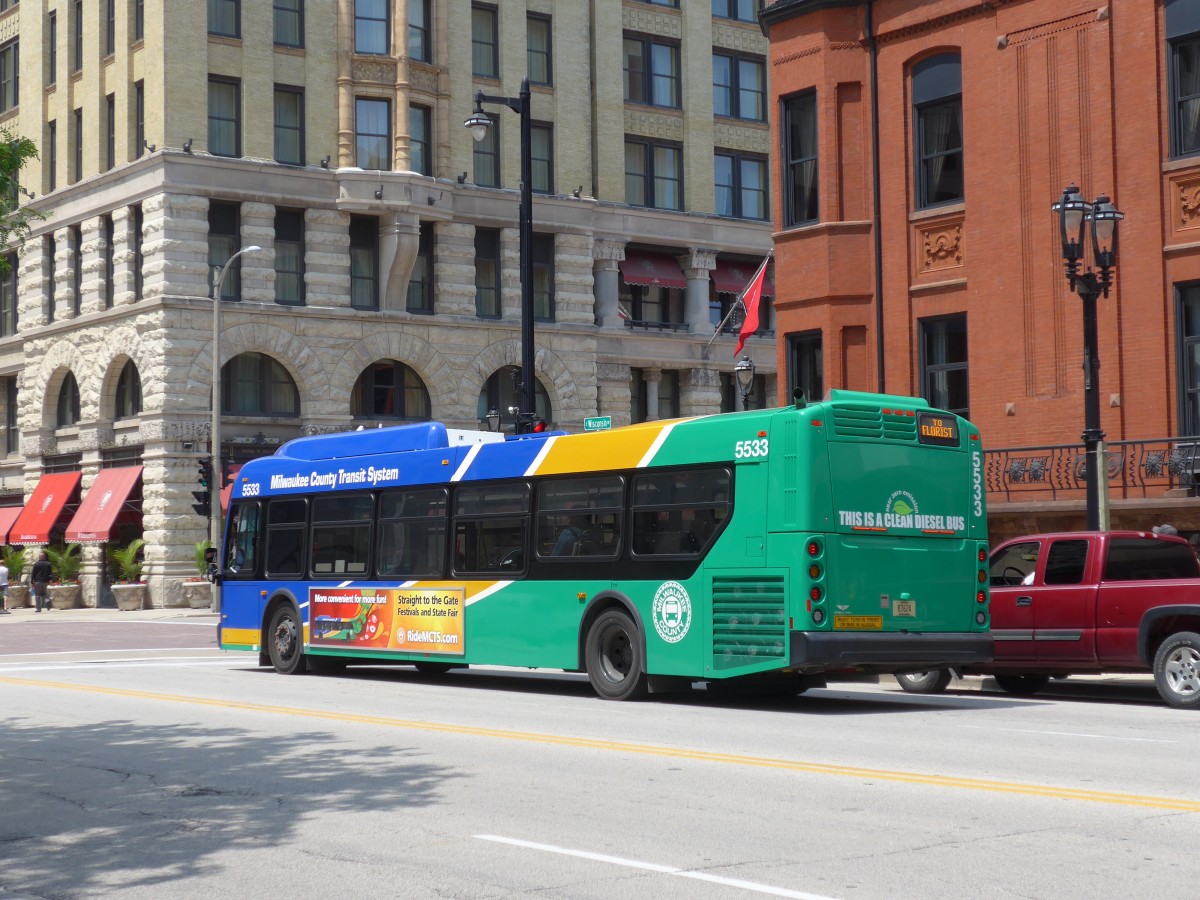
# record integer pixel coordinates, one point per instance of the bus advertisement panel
(780, 547)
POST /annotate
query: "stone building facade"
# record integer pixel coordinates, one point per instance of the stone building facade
(174, 134)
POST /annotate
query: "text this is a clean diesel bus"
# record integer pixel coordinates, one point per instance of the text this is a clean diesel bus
(778, 546)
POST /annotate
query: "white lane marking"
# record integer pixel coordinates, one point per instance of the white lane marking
(655, 867)
(166, 662)
(1074, 734)
(113, 650)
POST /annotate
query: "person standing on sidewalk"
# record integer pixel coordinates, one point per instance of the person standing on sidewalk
(3, 588)
(39, 578)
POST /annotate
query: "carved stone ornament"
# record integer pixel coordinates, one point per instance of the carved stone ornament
(422, 77)
(943, 247)
(1189, 203)
(378, 71)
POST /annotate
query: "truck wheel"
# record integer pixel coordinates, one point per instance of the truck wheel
(931, 682)
(614, 657)
(1177, 670)
(285, 641)
(1022, 685)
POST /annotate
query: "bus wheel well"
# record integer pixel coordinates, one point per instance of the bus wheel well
(600, 604)
(264, 658)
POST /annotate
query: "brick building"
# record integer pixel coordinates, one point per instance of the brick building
(921, 147)
(175, 133)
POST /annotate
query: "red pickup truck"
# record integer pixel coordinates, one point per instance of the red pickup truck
(1086, 603)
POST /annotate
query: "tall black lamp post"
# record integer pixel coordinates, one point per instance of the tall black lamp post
(479, 123)
(1074, 216)
(743, 373)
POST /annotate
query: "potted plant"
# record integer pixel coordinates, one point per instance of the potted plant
(65, 563)
(18, 592)
(197, 590)
(128, 587)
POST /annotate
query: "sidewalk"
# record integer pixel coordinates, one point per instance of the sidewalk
(89, 614)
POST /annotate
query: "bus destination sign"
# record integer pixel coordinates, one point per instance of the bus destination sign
(937, 429)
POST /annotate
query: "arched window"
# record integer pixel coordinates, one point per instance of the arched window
(503, 394)
(938, 129)
(128, 401)
(253, 384)
(68, 403)
(389, 390)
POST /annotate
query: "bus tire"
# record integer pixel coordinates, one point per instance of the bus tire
(1022, 685)
(285, 641)
(931, 682)
(613, 653)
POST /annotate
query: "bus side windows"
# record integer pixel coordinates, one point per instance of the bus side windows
(244, 528)
(579, 517)
(491, 525)
(412, 533)
(341, 534)
(679, 513)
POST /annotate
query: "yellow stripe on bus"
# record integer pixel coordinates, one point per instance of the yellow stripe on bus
(597, 451)
(250, 636)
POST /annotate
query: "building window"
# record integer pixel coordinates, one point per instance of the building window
(289, 257)
(419, 45)
(51, 273)
(653, 175)
(288, 24)
(741, 10)
(651, 72)
(224, 240)
(419, 119)
(76, 233)
(937, 124)
(51, 156)
(674, 4)
(110, 27)
(800, 159)
(485, 41)
(666, 391)
(502, 393)
(128, 401)
(371, 29)
(139, 118)
(224, 117)
(110, 131)
(52, 48)
(364, 257)
(541, 153)
(741, 186)
(1187, 316)
(139, 19)
(1182, 20)
(420, 284)
(389, 389)
(739, 87)
(944, 363)
(78, 141)
(372, 134)
(289, 125)
(139, 258)
(805, 368)
(653, 306)
(77, 44)
(12, 434)
(107, 223)
(224, 17)
(541, 259)
(8, 298)
(538, 47)
(10, 71)
(487, 273)
(67, 408)
(486, 156)
(253, 384)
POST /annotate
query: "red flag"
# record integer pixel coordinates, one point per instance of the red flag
(750, 297)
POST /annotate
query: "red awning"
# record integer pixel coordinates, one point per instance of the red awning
(41, 513)
(93, 523)
(8, 515)
(732, 278)
(652, 268)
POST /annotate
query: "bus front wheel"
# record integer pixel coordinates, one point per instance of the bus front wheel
(614, 657)
(285, 641)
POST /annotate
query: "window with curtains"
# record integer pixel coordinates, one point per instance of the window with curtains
(254, 384)
(937, 129)
(541, 158)
(486, 156)
(66, 411)
(139, 115)
(12, 434)
(110, 27)
(51, 155)
(653, 175)
(224, 17)
(77, 142)
(289, 256)
(739, 87)
(805, 367)
(288, 23)
(289, 125)
(651, 72)
(364, 262)
(106, 222)
(541, 261)
(139, 257)
(800, 159)
(371, 30)
(502, 392)
(139, 20)
(372, 133)
(487, 273)
(741, 185)
(741, 10)
(224, 117)
(128, 399)
(51, 274)
(420, 283)
(944, 372)
(10, 70)
(1182, 28)
(224, 240)
(1187, 328)
(389, 389)
(77, 42)
(51, 51)
(76, 233)
(485, 41)
(8, 298)
(419, 45)
(419, 136)
(110, 131)
(652, 306)
(538, 48)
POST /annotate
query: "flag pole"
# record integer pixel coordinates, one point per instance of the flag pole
(741, 300)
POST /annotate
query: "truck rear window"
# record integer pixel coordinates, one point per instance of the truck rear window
(1138, 559)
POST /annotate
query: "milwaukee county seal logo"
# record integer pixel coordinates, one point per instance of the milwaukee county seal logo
(672, 612)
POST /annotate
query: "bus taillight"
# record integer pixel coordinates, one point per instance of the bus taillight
(981, 597)
(982, 576)
(815, 593)
(814, 571)
(982, 554)
(814, 549)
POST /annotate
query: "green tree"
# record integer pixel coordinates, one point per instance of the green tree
(15, 219)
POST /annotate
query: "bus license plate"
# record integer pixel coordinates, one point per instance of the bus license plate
(904, 607)
(859, 623)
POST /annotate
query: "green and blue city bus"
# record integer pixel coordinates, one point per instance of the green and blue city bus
(780, 547)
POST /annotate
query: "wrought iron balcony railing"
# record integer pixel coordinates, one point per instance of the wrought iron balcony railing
(1136, 469)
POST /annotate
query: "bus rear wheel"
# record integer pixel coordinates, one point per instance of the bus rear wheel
(613, 653)
(285, 641)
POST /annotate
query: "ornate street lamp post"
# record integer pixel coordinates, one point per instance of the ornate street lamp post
(1074, 216)
(743, 372)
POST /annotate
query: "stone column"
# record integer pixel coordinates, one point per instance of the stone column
(35, 283)
(64, 273)
(399, 237)
(326, 257)
(345, 86)
(124, 257)
(454, 268)
(699, 392)
(697, 263)
(606, 275)
(92, 257)
(574, 300)
(402, 142)
(510, 274)
(175, 246)
(612, 385)
(652, 377)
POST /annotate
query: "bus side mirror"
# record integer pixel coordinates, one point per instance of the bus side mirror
(212, 572)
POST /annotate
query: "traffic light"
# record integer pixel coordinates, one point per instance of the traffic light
(537, 426)
(203, 505)
(204, 473)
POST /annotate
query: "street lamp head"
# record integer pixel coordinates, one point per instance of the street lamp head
(493, 419)
(743, 372)
(1104, 218)
(1071, 209)
(479, 122)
